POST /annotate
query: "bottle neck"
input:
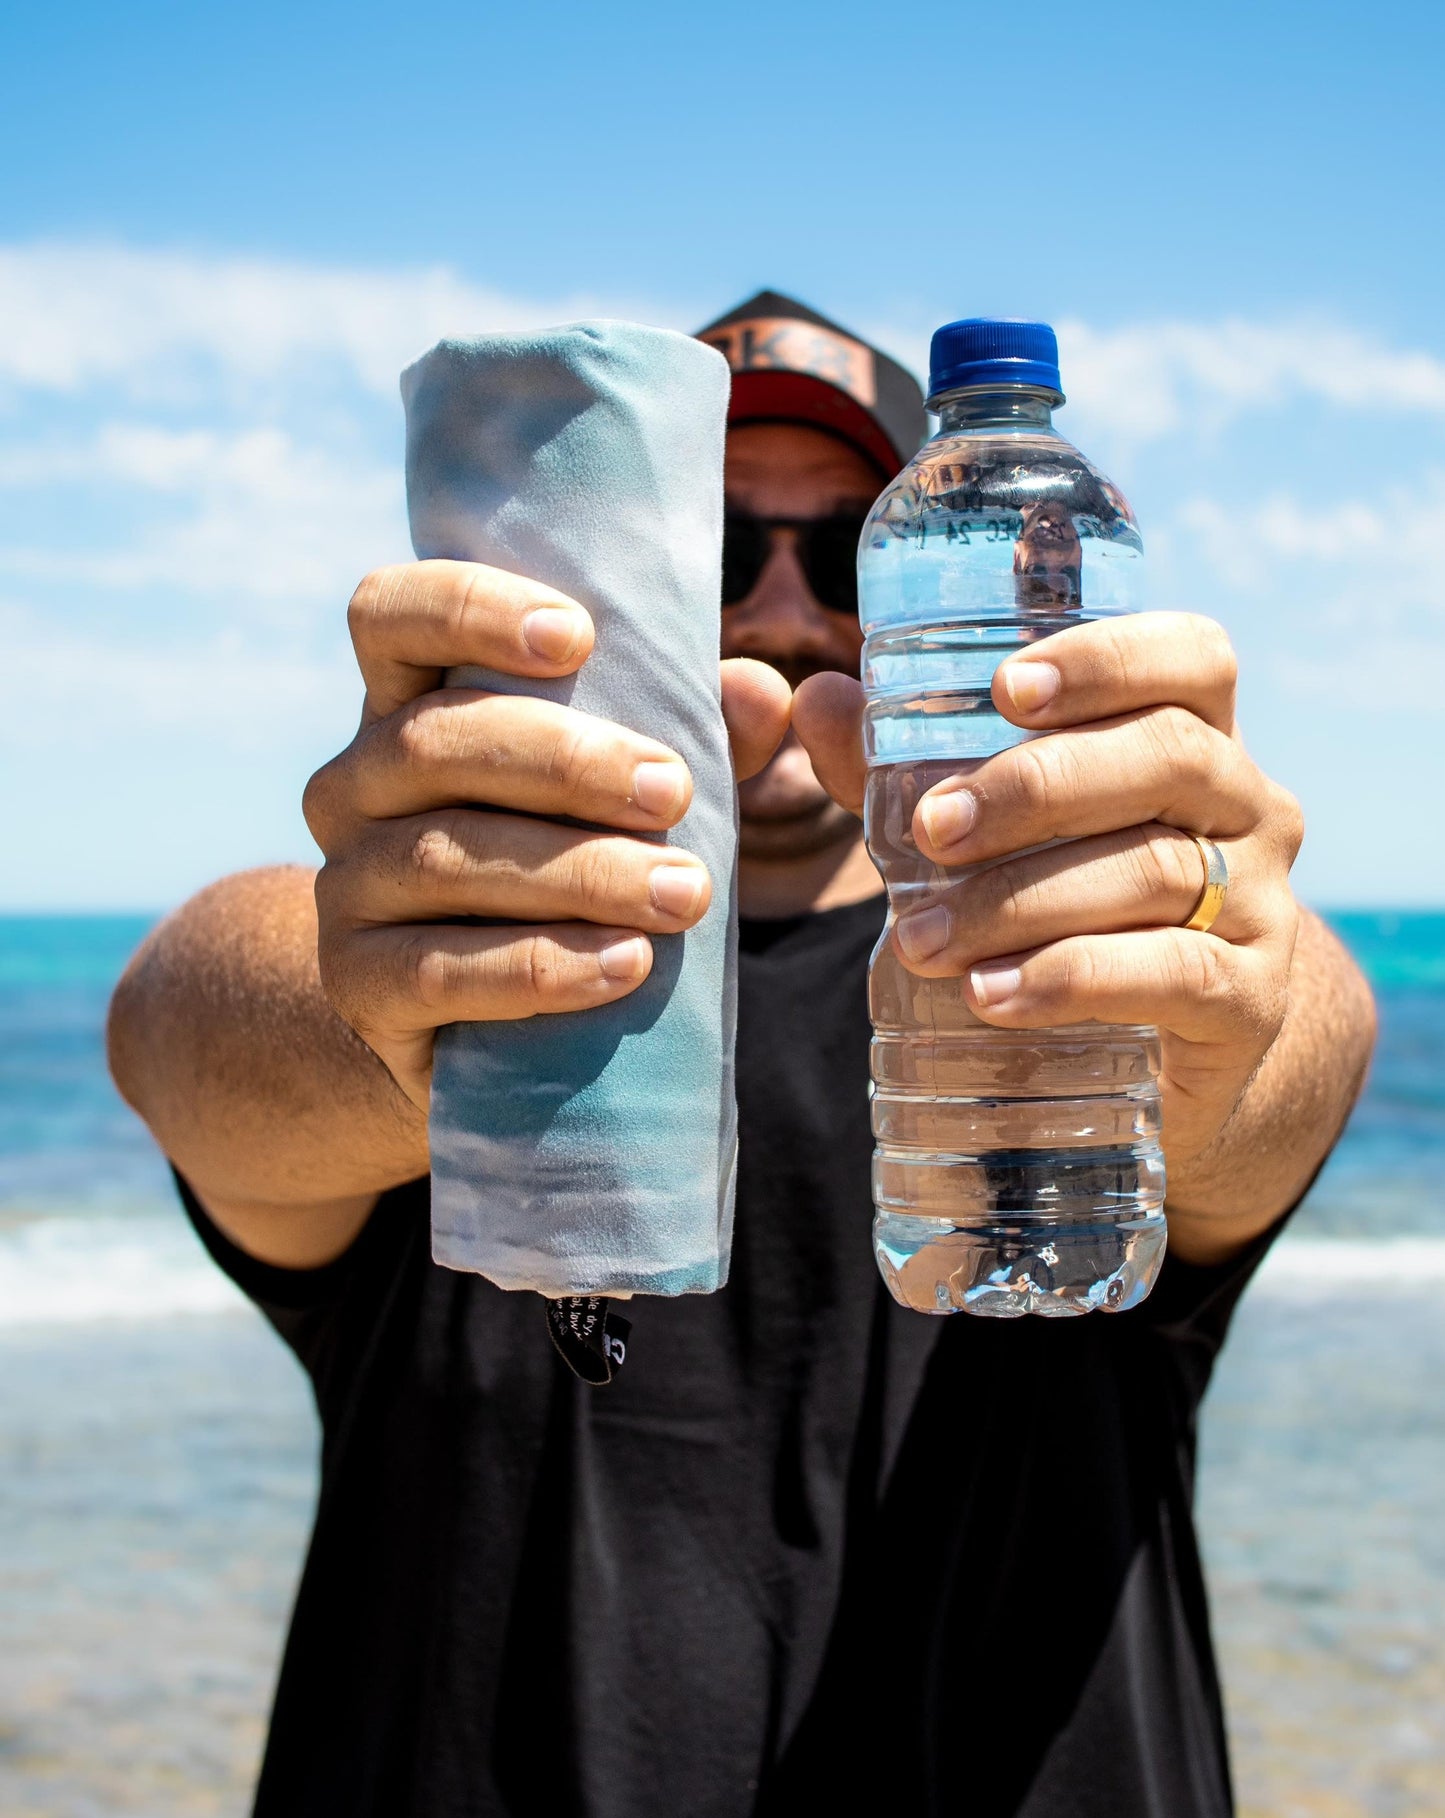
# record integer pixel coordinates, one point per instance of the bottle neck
(996, 407)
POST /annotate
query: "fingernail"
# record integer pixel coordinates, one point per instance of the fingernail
(657, 787)
(992, 984)
(1030, 685)
(553, 632)
(923, 933)
(947, 818)
(676, 889)
(624, 959)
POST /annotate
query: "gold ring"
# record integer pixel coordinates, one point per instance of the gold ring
(1216, 887)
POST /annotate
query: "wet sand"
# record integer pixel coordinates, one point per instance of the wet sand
(1322, 1506)
(155, 1487)
(155, 1492)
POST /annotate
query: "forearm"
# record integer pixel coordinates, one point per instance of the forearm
(222, 1040)
(1291, 1112)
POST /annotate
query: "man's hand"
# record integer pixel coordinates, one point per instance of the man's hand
(1144, 752)
(411, 848)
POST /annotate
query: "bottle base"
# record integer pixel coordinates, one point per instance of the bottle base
(1004, 1268)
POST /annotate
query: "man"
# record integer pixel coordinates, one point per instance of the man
(809, 1545)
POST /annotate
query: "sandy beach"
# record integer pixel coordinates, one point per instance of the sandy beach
(141, 1628)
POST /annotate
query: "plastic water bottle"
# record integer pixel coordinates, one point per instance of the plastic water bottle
(1016, 1171)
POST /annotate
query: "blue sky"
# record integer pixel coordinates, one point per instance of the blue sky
(227, 229)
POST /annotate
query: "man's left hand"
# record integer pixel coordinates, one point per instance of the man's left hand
(1145, 752)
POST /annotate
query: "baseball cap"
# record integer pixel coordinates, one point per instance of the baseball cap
(792, 365)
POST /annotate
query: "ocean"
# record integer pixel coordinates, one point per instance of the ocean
(157, 1443)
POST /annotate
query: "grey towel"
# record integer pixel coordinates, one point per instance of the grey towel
(593, 1153)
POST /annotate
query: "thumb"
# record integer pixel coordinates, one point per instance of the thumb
(755, 703)
(828, 719)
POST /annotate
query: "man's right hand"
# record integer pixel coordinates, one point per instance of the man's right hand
(404, 816)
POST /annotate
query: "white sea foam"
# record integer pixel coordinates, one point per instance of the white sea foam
(1336, 1265)
(71, 1270)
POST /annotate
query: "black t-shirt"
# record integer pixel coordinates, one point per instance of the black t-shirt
(807, 1547)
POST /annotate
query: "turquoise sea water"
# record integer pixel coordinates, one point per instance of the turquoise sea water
(68, 1145)
(156, 1443)
(66, 1140)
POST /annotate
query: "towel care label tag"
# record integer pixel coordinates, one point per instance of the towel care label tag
(592, 1340)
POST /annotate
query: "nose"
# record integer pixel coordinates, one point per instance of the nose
(780, 617)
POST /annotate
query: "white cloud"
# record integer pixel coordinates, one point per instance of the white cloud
(147, 455)
(61, 689)
(78, 316)
(254, 514)
(1149, 380)
(200, 455)
(1353, 562)
(249, 447)
(259, 463)
(74, 317)
(1145, 381)
(1341, 603)
(1404, 674)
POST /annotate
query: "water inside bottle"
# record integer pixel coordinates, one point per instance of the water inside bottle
(1015, 1171)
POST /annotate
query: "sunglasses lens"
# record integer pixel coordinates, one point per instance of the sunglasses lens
(744, 554)
(827, 547)
(830, 560)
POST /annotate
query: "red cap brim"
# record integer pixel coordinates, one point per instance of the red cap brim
(796, 397)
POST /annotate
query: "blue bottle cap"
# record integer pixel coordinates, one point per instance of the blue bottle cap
(984, 350)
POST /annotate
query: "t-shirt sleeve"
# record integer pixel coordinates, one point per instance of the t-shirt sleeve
(1192, 1305)
(323, 1313)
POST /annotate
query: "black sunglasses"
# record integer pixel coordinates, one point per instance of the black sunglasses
(827, 549)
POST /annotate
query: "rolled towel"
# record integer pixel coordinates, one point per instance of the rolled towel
(593, 1153)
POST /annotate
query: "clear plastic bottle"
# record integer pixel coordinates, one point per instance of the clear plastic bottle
(1016, 1171)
